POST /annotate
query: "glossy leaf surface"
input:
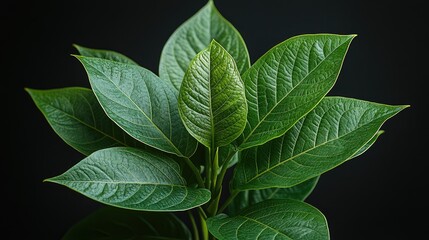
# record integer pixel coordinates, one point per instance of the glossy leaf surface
(288, 81)
(76, 116)
(328, 136)
(140, 103)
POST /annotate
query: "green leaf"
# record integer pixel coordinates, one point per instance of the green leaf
(368, 144)
(251, 197)
(118, 224)
(288, 81)
(228, 151)
(212, 101)
(298, 192)
(104, 54)
(133, 179)
(195, 35)
(328, 136)
(76, 116)
(140, 103)
(272, 219)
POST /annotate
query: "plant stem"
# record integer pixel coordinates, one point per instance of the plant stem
(195, 171)
(223, 171)
(194, 225)
(204, 230)
(208, 169)
(215, 169)
(228, 201)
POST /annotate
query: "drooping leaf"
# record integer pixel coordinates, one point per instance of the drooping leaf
(195, 35)
(288, 81)
(110, 223)
(76, 116)
(140, 103)
(133, 179)
(212, 102)
(104, 54)
(328, 136)
(272, 219)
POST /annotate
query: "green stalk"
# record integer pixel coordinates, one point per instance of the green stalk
(194, 226)
(228, 201)
(223, 171)
(204, 229)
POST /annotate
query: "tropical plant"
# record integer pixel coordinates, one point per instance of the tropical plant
(164, 143)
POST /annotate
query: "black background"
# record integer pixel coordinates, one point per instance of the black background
(376, 196)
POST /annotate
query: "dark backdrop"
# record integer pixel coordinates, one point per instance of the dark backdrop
(376, 196)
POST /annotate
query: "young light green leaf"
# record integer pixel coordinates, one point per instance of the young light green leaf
(329, 135)
(76, 116)
(272, 219)
(140, 103)
(133, 179)
(117, 224)
(288, 81)
(104, 54)
(212, 101)
(194, 36)
(251, 197)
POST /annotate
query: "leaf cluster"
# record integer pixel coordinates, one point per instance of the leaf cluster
(164, 142)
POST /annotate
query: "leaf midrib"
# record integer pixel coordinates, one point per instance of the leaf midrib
(266, 226)
(141, 110)
(281, 100)
(117, 182)
(310, 149)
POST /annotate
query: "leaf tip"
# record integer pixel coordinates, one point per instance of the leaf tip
(28, 90)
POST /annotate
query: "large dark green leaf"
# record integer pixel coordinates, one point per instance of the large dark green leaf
(212, 101)
(105, 54)
(251, 197)
(133, 179)
(110, 223)
(298, 192)
(76, 116)
(272, 219)
(195, 35)
(288, 81)
(328, 136)
(140, 103)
